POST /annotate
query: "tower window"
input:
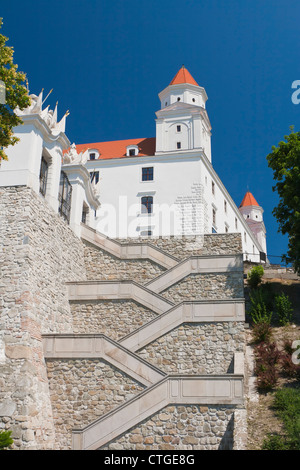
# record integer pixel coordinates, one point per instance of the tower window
(193, 100)
(236, 223)
(147, 174)
(147, 204)
(43, 176)
(213, 187)
(178, 128)
(178, 99)
(225, 206)
(179, 145)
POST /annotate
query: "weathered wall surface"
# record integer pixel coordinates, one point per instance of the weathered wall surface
(181, 427)
(83, 390)
(38, 254)
(206, 286)
(42, 401)
(204, 348)
(183, 247)
(114, 318)
(104, 266)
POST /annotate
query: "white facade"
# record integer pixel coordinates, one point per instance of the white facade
(36, 162)
(188, 197)
(167, 189)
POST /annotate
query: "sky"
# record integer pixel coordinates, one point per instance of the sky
(106, 62)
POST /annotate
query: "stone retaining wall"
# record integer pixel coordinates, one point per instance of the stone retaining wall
(113, 318)
(184, 247)
(205, 287)
(203, 348)
(101, 265)
(181, 428)
(83, 390)
(38, 254)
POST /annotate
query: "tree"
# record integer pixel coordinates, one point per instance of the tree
(16, 96)
(284, 160)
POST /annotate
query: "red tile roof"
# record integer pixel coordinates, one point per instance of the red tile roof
(183, 76)
(117, 148)
(249, 200)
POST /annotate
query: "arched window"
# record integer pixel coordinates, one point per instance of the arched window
(64, 197)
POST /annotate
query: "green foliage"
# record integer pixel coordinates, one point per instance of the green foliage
(16, 96)
(259, 311)
(5, 439)
(284, 160)
(283, 308)
(254, 276)
(287, 407)
(266, 366)
(262, 332)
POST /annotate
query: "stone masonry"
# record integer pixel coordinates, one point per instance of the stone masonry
(67, 365)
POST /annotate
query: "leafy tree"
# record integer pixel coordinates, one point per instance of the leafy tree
(16, 96)
(284, 160)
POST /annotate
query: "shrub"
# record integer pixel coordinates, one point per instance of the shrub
(289, 368)
(255, 276)
(262, 332)
(5, 439)
(258, 310)
(266, 365)
(284, 309)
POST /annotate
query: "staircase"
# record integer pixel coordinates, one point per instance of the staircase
(160, 388)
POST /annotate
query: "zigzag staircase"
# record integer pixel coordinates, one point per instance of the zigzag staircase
(161, 389)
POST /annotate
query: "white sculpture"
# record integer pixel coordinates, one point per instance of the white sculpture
(73, 157)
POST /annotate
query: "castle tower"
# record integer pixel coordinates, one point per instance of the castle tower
(182, 123)
(253, 215)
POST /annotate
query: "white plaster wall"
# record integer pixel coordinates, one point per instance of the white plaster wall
(181, 185)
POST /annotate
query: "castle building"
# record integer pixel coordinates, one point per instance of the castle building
(122, 312)
(166, 185)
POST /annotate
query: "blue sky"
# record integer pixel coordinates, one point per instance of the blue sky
(108, 60)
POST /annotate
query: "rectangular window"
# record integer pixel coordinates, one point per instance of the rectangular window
(92, 156)
(147, 174)
(64, 197)
(43, 176)
(178, 128)
(94, 176)
(147, 204)
(84, 214)
(179, 145)
(214, 216)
